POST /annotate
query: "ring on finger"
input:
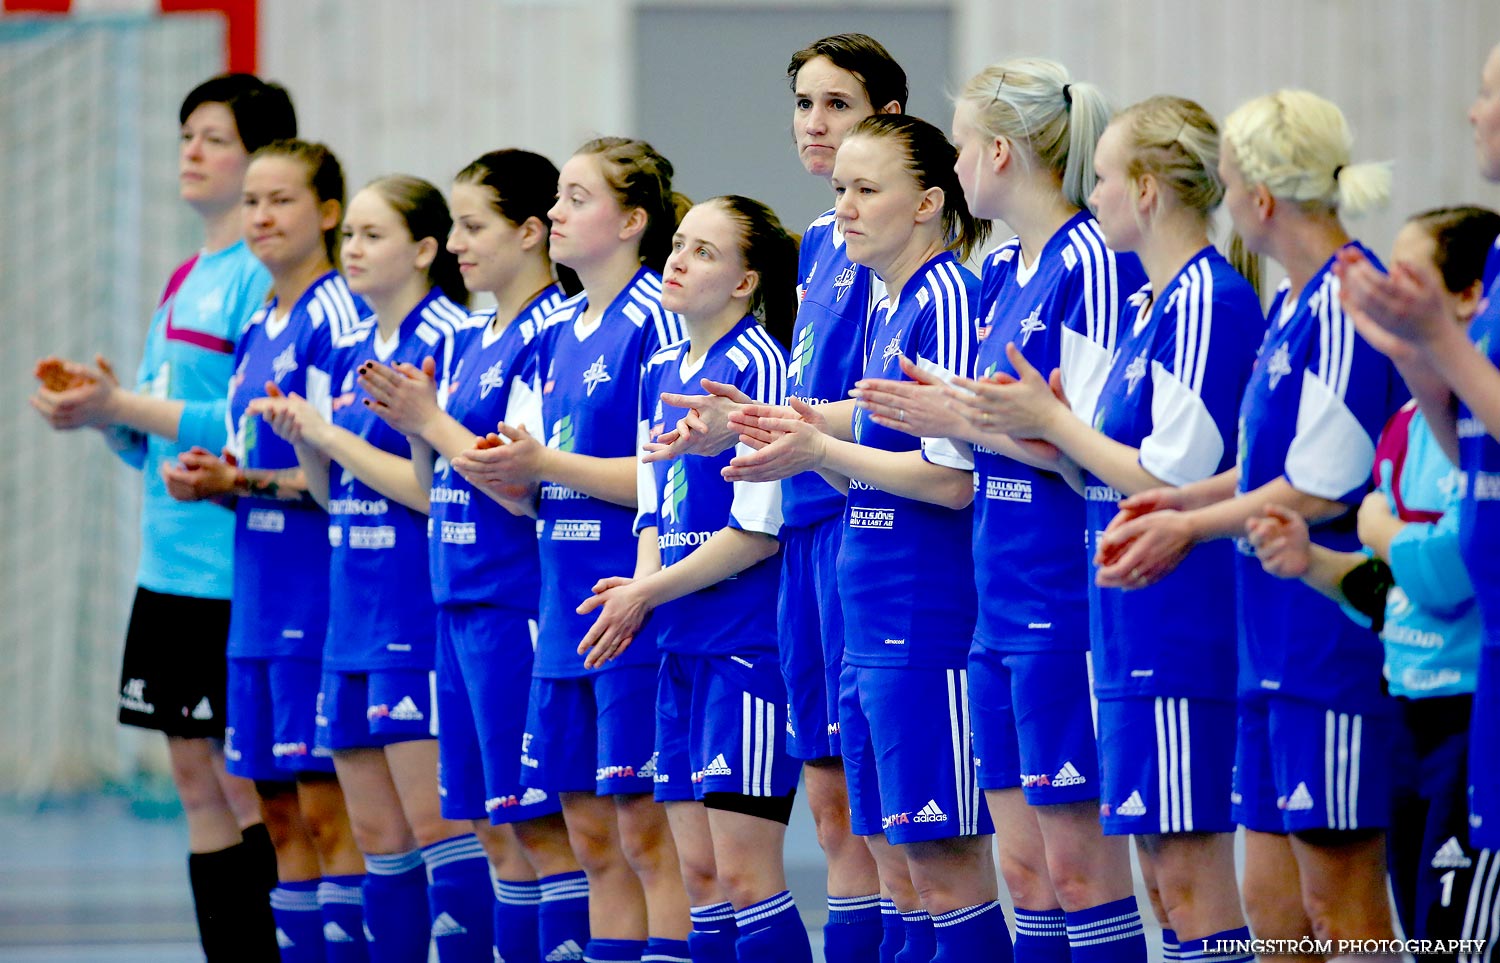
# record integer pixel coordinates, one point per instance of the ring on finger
(901, 414)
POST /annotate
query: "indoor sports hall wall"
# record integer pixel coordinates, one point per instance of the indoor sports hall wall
(87, 132)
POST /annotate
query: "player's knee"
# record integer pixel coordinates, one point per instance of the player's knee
(197, 784)
(1026, 879)
(1274, 911)
(595, 848)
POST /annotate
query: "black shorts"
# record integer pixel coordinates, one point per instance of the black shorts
(173, 675)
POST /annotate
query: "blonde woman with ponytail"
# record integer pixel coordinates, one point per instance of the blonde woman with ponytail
(1026, 133)
(1311, 704)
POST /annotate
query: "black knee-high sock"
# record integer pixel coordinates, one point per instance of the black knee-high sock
(260, 856)
(232, 905)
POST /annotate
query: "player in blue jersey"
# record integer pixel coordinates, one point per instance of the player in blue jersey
(705, 571)
(1311, 785)
(907, 593)
(1026, 135)
(1163, 672)
(613, 224)
(836, 82)
(1428, 619)
(1458, 389)
(293, 202)
(484, 559)
(173, 675)
(375, 707)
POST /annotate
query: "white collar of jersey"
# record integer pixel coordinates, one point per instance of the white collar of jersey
(492, 332)
(687, 368)
(581, 330)
(276, 320)
(385, 348)
(1025, 272)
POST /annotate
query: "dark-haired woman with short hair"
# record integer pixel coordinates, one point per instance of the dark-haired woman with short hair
(173, 674)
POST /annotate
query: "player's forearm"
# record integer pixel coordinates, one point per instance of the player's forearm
(610, 479)
(840, 418)
(1472, 377)
(728, 552)
(446, 436)
(1326, 570)
(903, 473)
(1229, 518)
(314, 466)
(161, 417)
(280, 484)
(390, 475)
(1116, 464)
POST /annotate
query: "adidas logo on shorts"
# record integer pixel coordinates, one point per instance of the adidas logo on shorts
(930, 813)
(718, 767)
(203, 710)
(566, 950)
(1134, 806)
(446, 925)
(334, 933)
(1300, 799)
(1068, 776)
(1451, 855)
(648, 771)
(406, 711)
(533, 796)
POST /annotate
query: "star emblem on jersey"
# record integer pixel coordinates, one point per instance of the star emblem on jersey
(595, 375)
(285, 363)
(842, 282)
(674, 492)
(1134, 372)
(892, 350)
(490, 380)
(1031, 324)
(1279, 365)
(442, 467)
(802, 354)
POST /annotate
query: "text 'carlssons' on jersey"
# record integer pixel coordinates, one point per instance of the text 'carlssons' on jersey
(687, 499)
(905, 577)
(281, 547)
(1314, 407)
(834, 300)
(1061, 311)
(590, 388)
(1180, 368)
(1479, 519)
(380, 611)
(479, 551)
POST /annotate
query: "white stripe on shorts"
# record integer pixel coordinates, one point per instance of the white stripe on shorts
(965, 777)
(1174, 764)
(1482, 915)
(757, 744)
(1342, 733)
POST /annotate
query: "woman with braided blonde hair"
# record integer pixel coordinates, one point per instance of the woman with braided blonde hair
(1311, 705)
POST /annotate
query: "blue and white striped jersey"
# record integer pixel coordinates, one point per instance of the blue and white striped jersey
(688, 500)
(589, 391)
(1479, 514)
(1062, 311)
(1181, 364)
(479, 552)
(904, 576)
(380, 612)
(1314, 407)
(281, 547)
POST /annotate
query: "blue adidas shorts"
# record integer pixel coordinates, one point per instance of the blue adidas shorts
(1034, 724)
(270, 719)
(1484, 754)
(1168, 765)
(368, 710)
(1301, 766)
(719, 728)
(908, 755)
(484, 656)
(811, 637)
(593, 733)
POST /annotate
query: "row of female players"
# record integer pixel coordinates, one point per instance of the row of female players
(865, 501)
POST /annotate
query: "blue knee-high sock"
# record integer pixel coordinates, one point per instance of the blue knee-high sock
(892, 931)
(397, 925)
(563, 919)
(517, 921)
(1207, 949)
(1171, 952)
(661, 950)
(460, 898)
(299, 922)
(1109, 933)
(609, 951)
(772, 930)
(920, 944)
(342, 904)
(972, 933)
(1042, 936)
(714, 933)
(852, 933)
